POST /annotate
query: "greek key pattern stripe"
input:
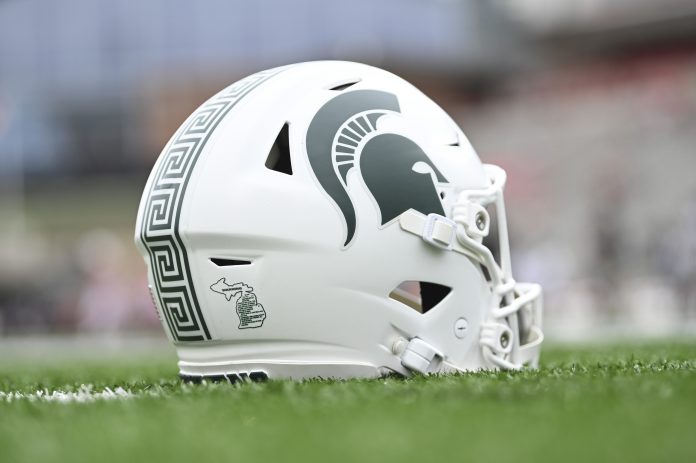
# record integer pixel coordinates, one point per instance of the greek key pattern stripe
(169, 263)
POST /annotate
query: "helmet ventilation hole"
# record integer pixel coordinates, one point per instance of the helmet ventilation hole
(279, 156)
(486, 273)
(421, 296)
(220, 262)
(491, 241)
(344, 86)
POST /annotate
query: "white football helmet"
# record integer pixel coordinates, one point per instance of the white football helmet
(327, 219)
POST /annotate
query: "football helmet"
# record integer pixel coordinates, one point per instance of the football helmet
(327, 219)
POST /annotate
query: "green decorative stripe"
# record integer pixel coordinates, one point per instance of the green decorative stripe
(169, 262)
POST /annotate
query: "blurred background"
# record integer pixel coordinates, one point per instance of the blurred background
(590, 105)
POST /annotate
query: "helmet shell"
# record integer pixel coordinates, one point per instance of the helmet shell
(256, 270)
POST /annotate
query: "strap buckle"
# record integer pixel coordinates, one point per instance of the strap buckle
(439, 231)
(421, 357)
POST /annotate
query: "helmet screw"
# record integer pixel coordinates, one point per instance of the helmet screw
(399, 345)
(460, 327)
(504, 339)
(480, 221)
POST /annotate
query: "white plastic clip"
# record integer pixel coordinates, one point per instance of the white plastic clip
(439, 231)
(497, 337)
(473, 216)
(420, 356)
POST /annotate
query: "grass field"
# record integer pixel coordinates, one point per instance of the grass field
(600, 403)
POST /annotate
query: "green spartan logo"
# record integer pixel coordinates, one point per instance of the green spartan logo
(386, 160)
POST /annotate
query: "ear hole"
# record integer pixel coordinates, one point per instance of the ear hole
(220, 262)
(344, 86)
(421, 296)
(279, 156)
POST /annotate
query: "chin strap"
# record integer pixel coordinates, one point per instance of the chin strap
(512, 303)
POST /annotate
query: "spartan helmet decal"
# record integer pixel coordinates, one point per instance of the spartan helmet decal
(386, 160)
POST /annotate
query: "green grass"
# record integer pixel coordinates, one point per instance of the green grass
(600, 403)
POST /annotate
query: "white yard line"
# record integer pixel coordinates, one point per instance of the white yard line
(84, 394)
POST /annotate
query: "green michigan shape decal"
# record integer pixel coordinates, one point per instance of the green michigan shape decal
(251, 313)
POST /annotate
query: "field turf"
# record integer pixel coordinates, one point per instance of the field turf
(618, 403)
